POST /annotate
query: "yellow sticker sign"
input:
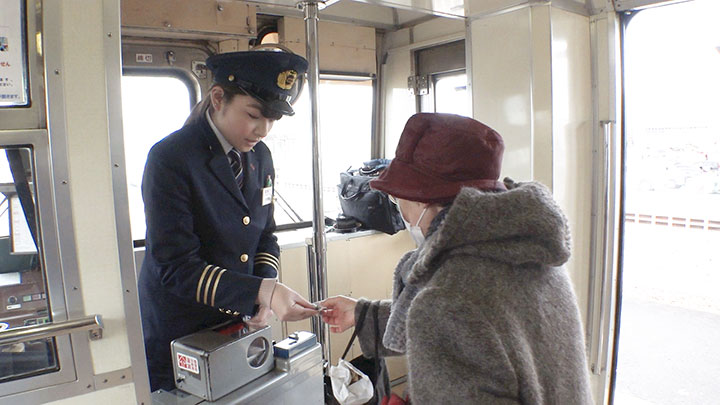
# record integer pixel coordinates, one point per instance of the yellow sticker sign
(286, 79)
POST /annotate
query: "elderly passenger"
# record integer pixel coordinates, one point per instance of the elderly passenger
(481, 308)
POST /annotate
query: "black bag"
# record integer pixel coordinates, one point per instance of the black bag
(371, 208)
(373, 367)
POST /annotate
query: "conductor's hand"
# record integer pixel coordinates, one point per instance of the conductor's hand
(260, 319)
(340, 313)
(289, 305)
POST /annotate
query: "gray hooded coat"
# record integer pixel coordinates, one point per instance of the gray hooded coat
(481, 308)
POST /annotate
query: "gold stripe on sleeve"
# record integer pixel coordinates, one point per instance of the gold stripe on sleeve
(217, 280)
(268, 256)
(268, 262)
(200, 283)
(207, 284)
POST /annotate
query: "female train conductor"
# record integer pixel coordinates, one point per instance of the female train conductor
(207, 188)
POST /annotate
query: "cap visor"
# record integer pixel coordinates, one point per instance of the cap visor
(272, 106)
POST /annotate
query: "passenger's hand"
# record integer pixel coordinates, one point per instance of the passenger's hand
(289, 305)
(340, 313)
(260, 319)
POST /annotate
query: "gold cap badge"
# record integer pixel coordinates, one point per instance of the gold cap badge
(286, 79)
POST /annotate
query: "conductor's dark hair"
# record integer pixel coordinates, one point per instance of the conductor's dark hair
(198, 112)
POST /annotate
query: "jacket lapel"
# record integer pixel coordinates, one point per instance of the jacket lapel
(219, 165)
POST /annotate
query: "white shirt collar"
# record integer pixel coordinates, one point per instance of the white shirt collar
(223, 142)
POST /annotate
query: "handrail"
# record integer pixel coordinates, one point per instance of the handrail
(600, 246)
(318, 277)
(91, 323)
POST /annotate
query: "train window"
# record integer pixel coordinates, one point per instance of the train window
(444, 66)
(450, 92)
(346, 132)
(153, 107)
(23, 299)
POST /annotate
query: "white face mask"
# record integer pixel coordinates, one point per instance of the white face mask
(415, 231)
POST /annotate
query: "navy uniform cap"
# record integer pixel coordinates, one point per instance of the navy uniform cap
(274, 78)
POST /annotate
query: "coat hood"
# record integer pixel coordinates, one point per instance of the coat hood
(521, 226)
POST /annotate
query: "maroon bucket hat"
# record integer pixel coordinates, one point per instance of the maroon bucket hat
(438, 154)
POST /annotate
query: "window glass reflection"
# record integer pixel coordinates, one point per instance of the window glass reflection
(23, 295)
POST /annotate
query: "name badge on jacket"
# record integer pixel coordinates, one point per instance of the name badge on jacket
(267, 191)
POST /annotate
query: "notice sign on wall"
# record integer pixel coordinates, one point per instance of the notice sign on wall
(13, 69)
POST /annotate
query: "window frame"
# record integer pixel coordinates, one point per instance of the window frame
(161, 67)
(33, 114)
(434, 62)
(73, 355)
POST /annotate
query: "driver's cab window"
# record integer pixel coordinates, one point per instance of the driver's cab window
(23, 292)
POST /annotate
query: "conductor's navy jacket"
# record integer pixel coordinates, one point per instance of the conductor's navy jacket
(208, 243)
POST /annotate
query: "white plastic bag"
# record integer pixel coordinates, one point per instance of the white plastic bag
(345, 390)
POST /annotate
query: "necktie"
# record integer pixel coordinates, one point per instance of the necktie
(236, 166)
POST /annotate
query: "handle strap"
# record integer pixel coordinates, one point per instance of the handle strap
(358, 326)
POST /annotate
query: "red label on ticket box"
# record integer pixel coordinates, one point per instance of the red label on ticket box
(187, 363)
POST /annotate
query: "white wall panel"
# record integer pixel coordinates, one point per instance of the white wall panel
(396, 39)
(502, 83)
(438, 28)
(399, 103)
(532, 82)
(120, 395)
(429, 33)
(483, 7)
(354, 269)
(541, 95)
(359, 12)
(91, 181)
(572, 141)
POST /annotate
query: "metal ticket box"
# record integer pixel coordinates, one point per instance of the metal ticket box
(213, 362)
(295, 343)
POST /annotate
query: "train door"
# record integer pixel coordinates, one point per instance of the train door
(669, 308)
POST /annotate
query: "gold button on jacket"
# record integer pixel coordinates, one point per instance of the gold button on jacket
(243, 258)
(246, 220)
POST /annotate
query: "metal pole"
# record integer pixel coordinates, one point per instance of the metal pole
(318, 277)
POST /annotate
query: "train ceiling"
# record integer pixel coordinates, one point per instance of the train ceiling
(391, 14)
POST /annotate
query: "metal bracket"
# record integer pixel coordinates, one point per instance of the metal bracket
(418, 85)
(199, 69)
(95, 334)
(322, 4)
